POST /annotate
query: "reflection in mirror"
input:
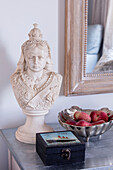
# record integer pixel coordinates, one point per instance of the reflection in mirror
(100, 36)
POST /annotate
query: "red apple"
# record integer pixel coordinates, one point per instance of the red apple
(71, 122)
(82, 116)
(83, 123)
(98, 122)
(98, 115)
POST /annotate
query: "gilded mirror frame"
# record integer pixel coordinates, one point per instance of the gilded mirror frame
(76, 80)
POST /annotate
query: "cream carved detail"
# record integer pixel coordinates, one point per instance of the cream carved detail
(36, 86)
(32, 96)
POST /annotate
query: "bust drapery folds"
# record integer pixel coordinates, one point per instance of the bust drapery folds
(35, 84)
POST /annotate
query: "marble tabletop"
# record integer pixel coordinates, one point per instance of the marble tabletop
(98, 155)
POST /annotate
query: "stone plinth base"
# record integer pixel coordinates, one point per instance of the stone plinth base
(34, 124)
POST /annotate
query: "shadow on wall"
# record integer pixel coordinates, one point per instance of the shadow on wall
(6, 69)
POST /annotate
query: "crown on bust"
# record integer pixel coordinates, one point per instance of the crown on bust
(35, 33)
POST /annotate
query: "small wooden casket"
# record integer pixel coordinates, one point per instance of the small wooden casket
(61, 147)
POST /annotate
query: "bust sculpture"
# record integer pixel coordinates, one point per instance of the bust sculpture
(35, 85)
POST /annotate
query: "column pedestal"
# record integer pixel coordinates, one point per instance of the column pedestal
(34, 124)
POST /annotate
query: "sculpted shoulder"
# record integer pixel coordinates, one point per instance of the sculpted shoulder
(14, 78)
(58, 77)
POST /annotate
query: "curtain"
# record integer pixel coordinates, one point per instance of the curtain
(105, 64)
(108, 36)
(99, 11)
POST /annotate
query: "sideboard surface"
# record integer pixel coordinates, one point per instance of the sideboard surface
(98, 155)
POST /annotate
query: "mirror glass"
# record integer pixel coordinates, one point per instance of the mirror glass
(100, 36)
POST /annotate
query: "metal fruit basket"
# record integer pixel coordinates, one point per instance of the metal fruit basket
(84, 131)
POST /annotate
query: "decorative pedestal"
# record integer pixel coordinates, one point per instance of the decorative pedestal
(34, 124)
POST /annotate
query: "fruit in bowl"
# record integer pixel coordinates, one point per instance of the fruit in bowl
(71, 122)
(94, 118)
(98, 122)
(98, 115)
(83, 123)
(82, 116)
(88, 122)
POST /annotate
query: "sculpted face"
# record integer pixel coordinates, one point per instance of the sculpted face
(36, 59)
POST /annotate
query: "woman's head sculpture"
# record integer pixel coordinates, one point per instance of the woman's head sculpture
(34, 74)
(35, 42)
(36, 86)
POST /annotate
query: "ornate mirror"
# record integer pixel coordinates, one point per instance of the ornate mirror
(88, 47)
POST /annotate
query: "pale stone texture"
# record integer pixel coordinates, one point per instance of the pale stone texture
(35, 85)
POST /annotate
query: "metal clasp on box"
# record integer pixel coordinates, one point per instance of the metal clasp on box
(66, 153)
